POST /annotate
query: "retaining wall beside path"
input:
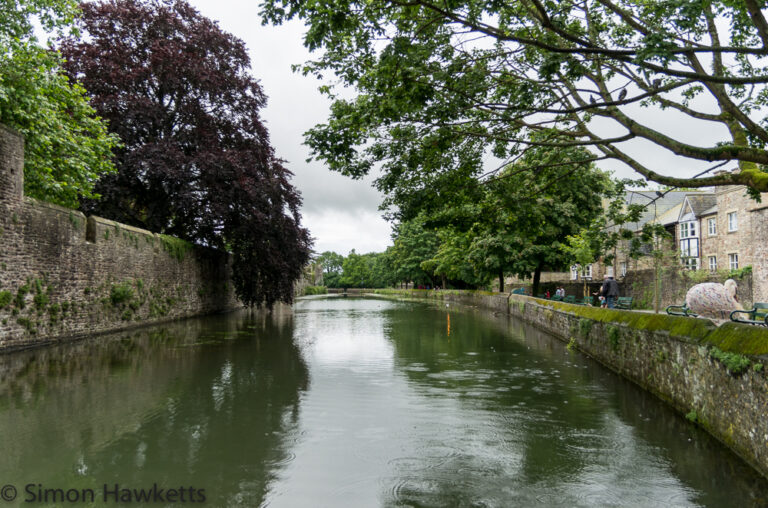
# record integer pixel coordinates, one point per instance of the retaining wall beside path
(716, 376)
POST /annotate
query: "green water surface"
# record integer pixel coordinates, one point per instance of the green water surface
(348, 402)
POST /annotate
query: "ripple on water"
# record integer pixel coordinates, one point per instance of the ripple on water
(283, 460)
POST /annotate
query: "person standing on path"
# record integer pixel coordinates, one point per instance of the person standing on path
(610, 290)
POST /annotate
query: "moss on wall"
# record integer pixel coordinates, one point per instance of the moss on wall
(682, 327)
(740, 338)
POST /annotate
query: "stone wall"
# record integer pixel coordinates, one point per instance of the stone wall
(673, 358)
(760, 252)
(675, 283)
(715, 376)
(63, 274)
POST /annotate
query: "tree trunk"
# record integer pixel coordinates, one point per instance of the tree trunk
(501, 281)
(657, 288)
(536, 279)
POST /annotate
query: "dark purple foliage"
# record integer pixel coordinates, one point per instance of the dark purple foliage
(196, 161)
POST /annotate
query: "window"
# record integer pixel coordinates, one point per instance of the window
(733, 222)
(623, 268)
(733, 261)
(712, 263)
(712, 226)
(689, 248)
(586, 273)
(574, 272)
(688, 229)
(691, 263)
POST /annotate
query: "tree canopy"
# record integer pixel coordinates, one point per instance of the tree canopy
(440, 82)
(67, 146)
(196, 160)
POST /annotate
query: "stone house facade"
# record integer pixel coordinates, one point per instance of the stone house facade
(729, 235)
(714, 231)
(717, 230)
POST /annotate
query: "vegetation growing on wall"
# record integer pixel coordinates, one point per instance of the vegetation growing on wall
(176, 247)
(126, 300)
(735, 363)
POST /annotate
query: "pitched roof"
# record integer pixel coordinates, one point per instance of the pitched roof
(658, 204)
(670, 216)
(700, 203)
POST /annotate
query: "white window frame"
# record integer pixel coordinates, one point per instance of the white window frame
(623, 268)
(688, 229)
(689, 248)
(733, 222)
(574, 272)
(733, 261)
(691, 264)
(586, 272)
(712, 263)
(712, 226)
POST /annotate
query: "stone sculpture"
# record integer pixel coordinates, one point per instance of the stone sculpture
(713, 300)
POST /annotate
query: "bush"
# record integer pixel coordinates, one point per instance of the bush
(121, 293)
(315, 290)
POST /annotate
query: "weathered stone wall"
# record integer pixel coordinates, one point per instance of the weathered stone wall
(760, 253)
(675, 283)
(678, 359)
(63, 274)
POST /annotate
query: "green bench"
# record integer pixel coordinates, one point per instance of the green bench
(587, 300)
(680, 310)
(519, 291)
(758, 315)
(542, 296)
(557, 298)
(569, 299)
(623, 302)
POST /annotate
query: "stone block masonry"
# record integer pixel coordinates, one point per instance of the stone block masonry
(64, 275)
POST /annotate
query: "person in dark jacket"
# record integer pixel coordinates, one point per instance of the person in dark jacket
(609, 290)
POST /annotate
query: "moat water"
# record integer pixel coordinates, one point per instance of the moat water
(348, 402)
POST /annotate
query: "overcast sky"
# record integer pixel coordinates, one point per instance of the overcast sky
(341, 213)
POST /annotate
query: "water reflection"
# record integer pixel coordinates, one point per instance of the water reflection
(355, 402)
(546, 426)
(210, 403)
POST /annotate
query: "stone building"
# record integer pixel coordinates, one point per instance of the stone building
(721, 230)
(718, 230)
(728, 235)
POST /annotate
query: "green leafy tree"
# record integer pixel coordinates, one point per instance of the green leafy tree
(452, 261)
(414, 243)
(534, 210)
(332, 264)
(383, 272)
(67, 147)
(440, 82)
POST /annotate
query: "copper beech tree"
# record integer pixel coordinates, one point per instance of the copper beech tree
(196, 160)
